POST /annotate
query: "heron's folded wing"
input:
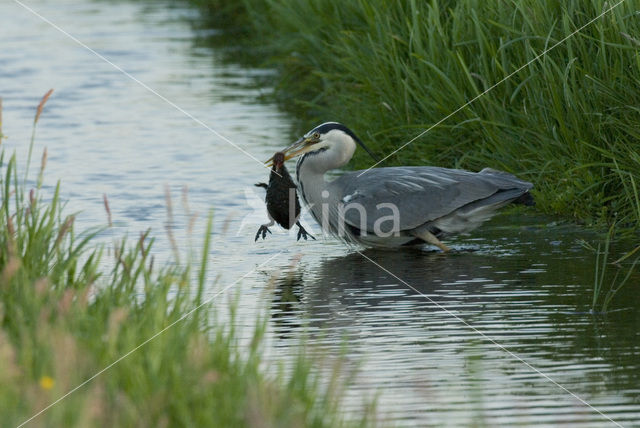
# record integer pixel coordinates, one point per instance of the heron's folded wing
(420, 194)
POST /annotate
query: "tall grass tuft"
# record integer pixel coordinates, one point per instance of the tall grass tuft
(63, 319)
(605, 288)
(39, 109)
(391, 69)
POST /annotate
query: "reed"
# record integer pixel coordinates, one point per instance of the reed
(39, 109)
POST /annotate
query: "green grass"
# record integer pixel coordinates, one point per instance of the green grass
(63, 318)
(390, 69)
(605, 288)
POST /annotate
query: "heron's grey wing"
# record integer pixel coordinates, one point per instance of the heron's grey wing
(421, 194)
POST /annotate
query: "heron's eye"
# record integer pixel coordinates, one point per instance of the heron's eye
(316, 136)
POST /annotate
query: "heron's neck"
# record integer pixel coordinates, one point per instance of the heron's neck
(310, 180)
(312, 167)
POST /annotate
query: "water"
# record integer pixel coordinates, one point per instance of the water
(496, 334)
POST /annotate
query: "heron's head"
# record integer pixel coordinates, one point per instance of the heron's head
(331, 137)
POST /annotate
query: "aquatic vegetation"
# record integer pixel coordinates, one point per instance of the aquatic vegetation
(567, 121)
(67, 324)
(605, 288)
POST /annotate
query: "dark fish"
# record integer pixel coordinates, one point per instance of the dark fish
(282, 201)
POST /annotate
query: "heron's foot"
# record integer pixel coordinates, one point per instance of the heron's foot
(303, 233)
(443, 247)
(263, 229)
(430, 238)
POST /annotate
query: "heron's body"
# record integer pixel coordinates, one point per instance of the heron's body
(396, 206)
(439, 200)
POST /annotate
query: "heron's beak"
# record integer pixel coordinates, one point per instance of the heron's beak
(298, 148)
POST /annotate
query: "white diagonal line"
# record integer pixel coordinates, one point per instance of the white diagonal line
(544, 52)
(149, 340)
(144, 85)
(490, 339)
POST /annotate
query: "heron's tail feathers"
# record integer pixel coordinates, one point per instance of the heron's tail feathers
(525, 199)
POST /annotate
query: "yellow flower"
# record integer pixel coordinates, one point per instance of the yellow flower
(46, 382)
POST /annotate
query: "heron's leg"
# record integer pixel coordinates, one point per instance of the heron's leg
(429, 237)
(264, 229)
(302, 232)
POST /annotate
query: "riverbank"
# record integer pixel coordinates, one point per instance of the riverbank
(134, 345)
(391, 70)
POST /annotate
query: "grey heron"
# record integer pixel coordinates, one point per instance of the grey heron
(395, 206)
